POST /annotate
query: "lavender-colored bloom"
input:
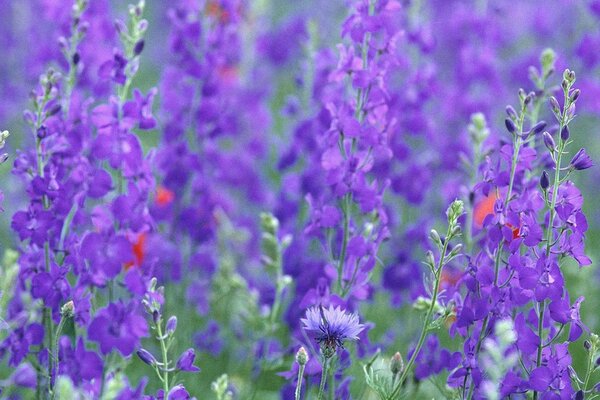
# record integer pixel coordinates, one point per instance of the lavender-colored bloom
(581, 160)
(185, 362)
(332, 326)
(118, 327)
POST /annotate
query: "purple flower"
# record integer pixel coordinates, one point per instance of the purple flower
(186, 361)
(118, 327)
(332, 326)
(581, 160)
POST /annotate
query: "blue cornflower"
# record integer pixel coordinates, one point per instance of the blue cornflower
(331, 327)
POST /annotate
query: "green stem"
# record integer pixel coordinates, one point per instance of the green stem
(324, 374)
(55, 359)
(165, 358)
(299, 383)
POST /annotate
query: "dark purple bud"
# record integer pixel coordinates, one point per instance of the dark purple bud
(42, 132)
(581, 160)
(76, 58)
(549, 141)
(575, 95)
(598, 361)
(3, 158)
(529, 98)
(544, 181)
(171, 325)
(554, 104)
(579, 395)
(510, 111)
(537, 128)
(186, 361)
(146, 356)
(510, 125)
(565, 134)
(138, 48)
(587, 345)
(54, 110)
(155, 316)
(83, 28)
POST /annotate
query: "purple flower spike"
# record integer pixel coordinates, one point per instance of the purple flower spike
(186, 361)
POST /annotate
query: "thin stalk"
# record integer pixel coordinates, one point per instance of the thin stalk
(324, 374)
(299, 383)
(165, 358)
(55, 359)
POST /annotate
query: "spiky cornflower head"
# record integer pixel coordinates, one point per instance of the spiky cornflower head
(331, 327)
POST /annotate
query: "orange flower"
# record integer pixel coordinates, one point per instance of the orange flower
(139, 250)
(164, 196)
(484, 208)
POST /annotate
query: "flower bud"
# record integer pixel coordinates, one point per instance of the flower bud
(587, 345)
(549, 142)
(537, 128)
(554, 104)
(575, 95)
(510, 125)
(510, 111)
(171, 325)
(544, 181)
(138, 48)
(68, 309)
(54, 110)
(302, 356)
(42, 132)
(146, 356)
(396, 364)
(565, 133)
(76, 58)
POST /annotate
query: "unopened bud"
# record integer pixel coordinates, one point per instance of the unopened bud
(565, 133)
(537, 128)
(302, 356)
(68, 309)
(510, 111)
(549, 142)
(554, 104)
(146, 356)
(138, 48)
(544, 181)
(171, 325)
(396, 364)
(510, 125)
(575, 95)
(54, 110)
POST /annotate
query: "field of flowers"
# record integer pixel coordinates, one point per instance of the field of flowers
(307, 199)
